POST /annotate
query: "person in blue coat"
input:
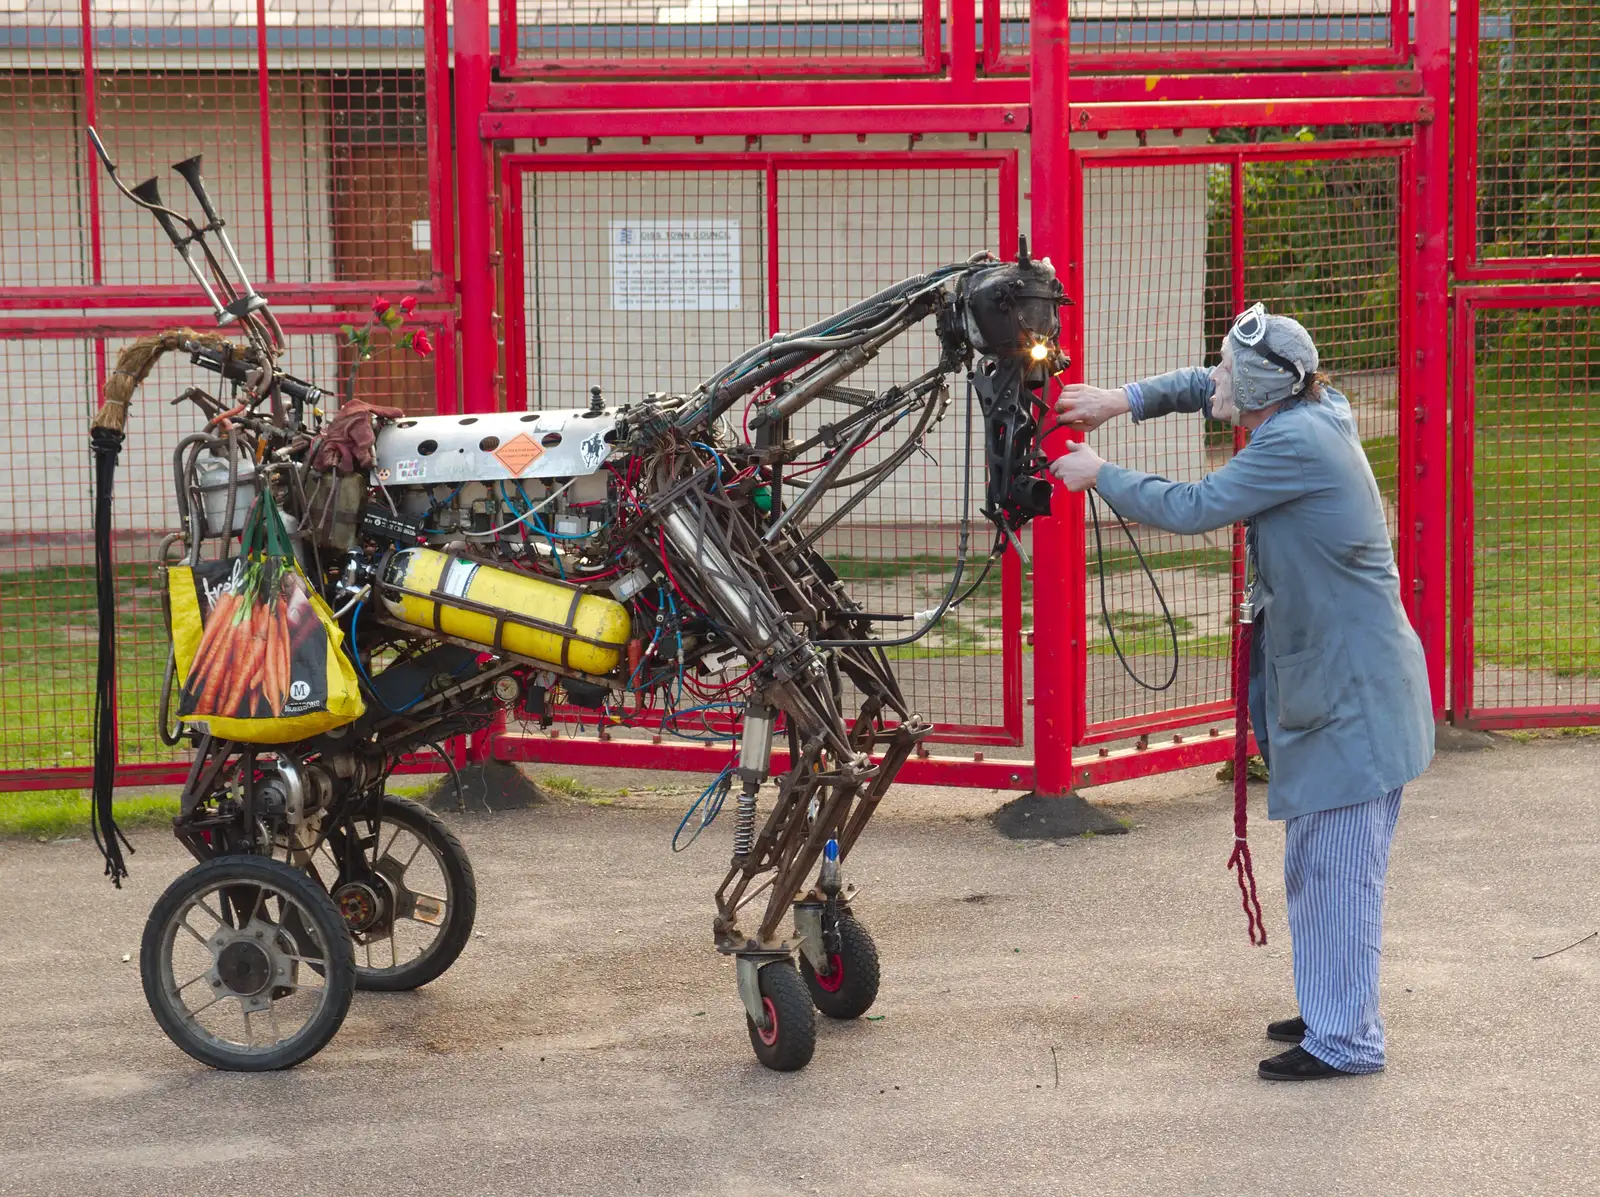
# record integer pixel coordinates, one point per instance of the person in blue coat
(1339, 697)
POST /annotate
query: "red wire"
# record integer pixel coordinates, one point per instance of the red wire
(712, 686)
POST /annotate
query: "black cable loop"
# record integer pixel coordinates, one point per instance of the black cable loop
(1105, 610)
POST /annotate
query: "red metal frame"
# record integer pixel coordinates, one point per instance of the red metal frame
(1101, 767)
(440, 287)
(512, 65)
(1469, 300)
(1010, 731)
(997, 61)
(951, 94)
(101, 326)
(1466, 264)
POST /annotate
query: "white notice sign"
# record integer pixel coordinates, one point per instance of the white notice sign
(674, 265)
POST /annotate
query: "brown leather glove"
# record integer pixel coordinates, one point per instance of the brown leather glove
(346, 443)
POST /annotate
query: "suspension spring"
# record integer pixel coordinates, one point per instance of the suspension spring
(744, 826)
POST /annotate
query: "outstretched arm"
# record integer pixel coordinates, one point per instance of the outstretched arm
(1086, 407)
(1264, 474)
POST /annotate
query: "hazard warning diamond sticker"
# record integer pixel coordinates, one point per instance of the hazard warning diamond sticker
(518, 453)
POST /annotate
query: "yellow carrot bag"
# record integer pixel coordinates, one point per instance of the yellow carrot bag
(258, 653)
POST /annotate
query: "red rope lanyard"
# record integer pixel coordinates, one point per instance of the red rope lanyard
(1240, 859)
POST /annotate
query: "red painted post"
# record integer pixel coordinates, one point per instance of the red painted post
(1431, 345)
(1058, 540)
(478, 352)
(263, 99)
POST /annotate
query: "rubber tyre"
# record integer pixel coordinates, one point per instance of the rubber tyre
(463, 902)
(852, 995)
(788, 1047)
(338, 966)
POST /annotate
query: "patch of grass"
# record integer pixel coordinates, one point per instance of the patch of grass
(47, 666)
(571, 787)
(1537, 541)
(1142, 633)
(1551, 733)
(48, 814)
(1120, 558)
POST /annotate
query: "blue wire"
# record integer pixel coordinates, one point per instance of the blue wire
(355, 652)
(723, 786)
(715, 456)
(642, 658)
(713, 737)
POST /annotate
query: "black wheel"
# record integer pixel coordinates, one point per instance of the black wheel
(247, 965)
(406, 890)
(790, 1036)
(850, 986)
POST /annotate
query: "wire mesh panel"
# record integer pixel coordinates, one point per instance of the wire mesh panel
(784, 240)
(1176, 244)
(581, 271)
(624, 37)
(845, 234)
(1528, 78)
(1200, 34)
(1527, 598)
(1158, 276)
(52, 374)
(313, 118)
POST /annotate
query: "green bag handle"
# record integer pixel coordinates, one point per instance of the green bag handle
(264, 533)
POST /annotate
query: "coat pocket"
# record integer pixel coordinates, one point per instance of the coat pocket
(1302, 690)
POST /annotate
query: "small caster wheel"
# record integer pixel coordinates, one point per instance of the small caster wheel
(790, 1036)
(850, 986)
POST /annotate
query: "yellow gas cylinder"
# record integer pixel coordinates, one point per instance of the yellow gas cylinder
(594, 632)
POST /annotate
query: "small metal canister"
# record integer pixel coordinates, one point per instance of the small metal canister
(211, 477)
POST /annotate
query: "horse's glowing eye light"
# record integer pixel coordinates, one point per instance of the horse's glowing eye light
(1040, 351)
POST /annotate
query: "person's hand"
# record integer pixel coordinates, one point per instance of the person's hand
(1078, 467)
(1085, 408)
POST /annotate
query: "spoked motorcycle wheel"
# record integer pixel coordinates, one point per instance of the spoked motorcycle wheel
(405, 890)
(247, 965)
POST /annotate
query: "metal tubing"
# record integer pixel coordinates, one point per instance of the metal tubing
(1058, 538)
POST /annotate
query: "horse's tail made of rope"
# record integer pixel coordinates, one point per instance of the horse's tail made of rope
(106, 434)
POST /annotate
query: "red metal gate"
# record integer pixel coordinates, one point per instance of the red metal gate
(344, 116)
(324, 142)
(1525, 646)
(1177, 250)
(1525, 617)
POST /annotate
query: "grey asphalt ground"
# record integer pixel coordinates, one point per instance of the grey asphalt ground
(590, 1042)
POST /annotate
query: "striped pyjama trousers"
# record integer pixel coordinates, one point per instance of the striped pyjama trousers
(1335, 864)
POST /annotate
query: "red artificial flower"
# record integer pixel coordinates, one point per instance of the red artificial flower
(421, 343)
(380, 305)
(408, 304)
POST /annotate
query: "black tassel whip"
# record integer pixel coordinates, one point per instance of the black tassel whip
(106, 444)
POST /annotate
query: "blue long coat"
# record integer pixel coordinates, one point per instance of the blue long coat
(1338, 685)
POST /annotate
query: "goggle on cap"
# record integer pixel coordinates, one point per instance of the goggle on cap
(1274, 358)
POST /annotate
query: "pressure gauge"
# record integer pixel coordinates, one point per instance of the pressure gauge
(507, 689)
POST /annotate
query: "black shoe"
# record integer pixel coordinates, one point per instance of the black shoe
(1287, 1030)
(1297, 1064)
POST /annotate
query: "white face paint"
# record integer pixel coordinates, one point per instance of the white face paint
(1222, 404)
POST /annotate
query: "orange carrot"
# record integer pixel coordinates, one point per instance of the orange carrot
(271, 680)
(285, 657)
(246, 662)
(212, 632)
